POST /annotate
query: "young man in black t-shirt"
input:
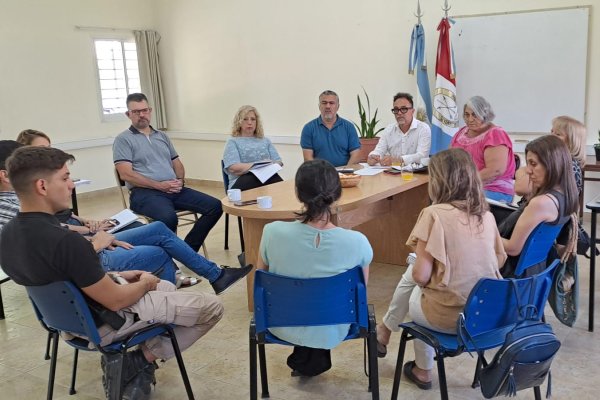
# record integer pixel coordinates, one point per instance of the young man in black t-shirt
(35, 250)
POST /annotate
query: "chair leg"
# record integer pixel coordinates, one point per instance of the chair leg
(2, 316)
(52, 372)
(262, 359)
(74, 374)
(442, 376)
(537, 393)
(182, 370)
(48, 340)
(373, 367)
(475, 383)
(241, 229)
(205, 251)
(399, 362)
(226, 246)
(253, 372)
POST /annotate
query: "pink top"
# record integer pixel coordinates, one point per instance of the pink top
(495, 136)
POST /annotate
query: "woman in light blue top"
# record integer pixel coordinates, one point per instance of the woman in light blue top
(247, 146)
(313, 247)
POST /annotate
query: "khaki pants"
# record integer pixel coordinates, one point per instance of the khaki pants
(194, 314)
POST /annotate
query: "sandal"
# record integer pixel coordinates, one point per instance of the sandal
(185, 281)
(381, 350)
(408, 372)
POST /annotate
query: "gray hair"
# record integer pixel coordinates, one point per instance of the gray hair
(329, 93)
(481, 108)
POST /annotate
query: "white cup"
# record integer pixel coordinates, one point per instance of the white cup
(264, 201)
(234, 194)
(425, 161)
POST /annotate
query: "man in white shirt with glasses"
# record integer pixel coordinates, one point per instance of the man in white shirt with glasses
(407, 141)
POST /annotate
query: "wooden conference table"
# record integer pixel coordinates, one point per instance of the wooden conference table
(383, 207)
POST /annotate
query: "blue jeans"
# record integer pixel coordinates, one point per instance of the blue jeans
(162, 207)
(155, 246)
(498, 196)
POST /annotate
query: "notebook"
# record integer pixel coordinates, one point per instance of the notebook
(122, 219)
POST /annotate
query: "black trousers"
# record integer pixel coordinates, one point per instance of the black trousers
(250, 181)
(309, 361)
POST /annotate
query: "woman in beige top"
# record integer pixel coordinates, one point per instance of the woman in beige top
(457, 243)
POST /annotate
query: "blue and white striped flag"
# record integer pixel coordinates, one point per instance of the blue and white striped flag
(417, 59)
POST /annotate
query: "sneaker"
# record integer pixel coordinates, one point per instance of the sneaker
(411, 259)
(229, 276)
(139, 388)
(133, 362)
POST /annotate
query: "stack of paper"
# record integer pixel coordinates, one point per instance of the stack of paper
(264, 170)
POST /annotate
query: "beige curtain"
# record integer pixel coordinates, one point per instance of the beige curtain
(150, 80)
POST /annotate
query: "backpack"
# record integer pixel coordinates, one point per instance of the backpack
(522, 362)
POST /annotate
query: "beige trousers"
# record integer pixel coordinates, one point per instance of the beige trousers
(194, 314)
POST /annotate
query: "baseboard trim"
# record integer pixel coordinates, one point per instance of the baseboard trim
(114, 191)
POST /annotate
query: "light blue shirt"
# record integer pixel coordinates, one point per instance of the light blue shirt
(247, 150)
(289, 248)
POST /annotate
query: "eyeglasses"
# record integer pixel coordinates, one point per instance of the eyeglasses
(401, 110)
(141, 111)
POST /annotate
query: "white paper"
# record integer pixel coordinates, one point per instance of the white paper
(502, 204)
(79, 182)
(377, 166)
(264, 172)
(123, 218)
(368, 171)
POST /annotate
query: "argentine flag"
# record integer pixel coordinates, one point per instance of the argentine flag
(445, 109)
(416, 59)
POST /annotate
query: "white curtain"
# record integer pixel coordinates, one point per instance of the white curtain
(150, 80)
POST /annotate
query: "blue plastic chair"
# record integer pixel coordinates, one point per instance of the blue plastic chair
(538, 244)
(61, 307)
(491, 311)
(226, 185)
(284, 301)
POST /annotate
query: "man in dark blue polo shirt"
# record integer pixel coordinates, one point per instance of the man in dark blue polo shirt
(330, 137)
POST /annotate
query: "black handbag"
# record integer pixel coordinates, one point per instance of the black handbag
(522, 362)
(565, 291)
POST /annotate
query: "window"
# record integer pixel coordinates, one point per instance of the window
(118, 74)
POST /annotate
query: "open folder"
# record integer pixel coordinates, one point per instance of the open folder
(121, 219)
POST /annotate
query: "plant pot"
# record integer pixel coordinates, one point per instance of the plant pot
(367, 146)
(597, 151)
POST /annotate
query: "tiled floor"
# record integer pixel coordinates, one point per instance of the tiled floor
(218, 363)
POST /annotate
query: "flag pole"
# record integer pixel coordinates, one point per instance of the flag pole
(417, 60)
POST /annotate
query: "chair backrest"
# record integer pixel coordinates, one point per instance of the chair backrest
(225, 176)
(61, 306)
(497, 303)
(285, 301)
(538, 246)
(122, 189)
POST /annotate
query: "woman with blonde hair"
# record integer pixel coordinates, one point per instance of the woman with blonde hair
(247, 146)
(456, 243)
(32, 137)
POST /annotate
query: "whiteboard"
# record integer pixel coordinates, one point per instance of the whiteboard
(531, 66)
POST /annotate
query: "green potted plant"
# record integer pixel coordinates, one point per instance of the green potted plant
(367, 130)
(597, 147)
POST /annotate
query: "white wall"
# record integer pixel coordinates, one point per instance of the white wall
(48, 79)
(278, 56)
(216, 56)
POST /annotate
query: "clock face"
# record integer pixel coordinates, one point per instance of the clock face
(444, 107)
